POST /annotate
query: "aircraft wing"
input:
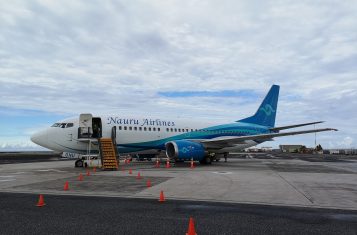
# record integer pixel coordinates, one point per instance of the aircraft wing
(276, 129)
(231, 141)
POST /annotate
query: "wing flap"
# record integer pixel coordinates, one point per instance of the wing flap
(226, 142)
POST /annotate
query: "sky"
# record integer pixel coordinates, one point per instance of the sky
(209, 60)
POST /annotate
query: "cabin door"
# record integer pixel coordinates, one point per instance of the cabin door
(85, 125)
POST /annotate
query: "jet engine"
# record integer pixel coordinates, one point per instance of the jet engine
(185, 150)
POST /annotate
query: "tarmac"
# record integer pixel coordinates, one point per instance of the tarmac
(268, 188)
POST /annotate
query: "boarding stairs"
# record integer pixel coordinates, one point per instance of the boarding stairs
(108, 152)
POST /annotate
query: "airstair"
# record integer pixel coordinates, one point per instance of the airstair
(108, 152)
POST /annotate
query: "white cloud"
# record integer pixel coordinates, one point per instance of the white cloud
(115, 56)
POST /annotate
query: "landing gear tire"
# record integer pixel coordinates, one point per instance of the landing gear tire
(78, 163)
(206, 160)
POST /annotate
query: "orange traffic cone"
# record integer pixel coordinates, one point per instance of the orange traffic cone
(130, 171)
(66, 186)
(80, 178)
(94, 169)
(41, 202)
(148, 183)
(88, 173)
(191, 228)
(162, 197)
(157, 163)
(192, 164)
(139, 176)
(167, 163)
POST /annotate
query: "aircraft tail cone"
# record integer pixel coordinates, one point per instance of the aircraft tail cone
(191, 228)
(162, 197)
(66, 186)
(41, 201)
(148, 183)
(139, 176)
(80, 178)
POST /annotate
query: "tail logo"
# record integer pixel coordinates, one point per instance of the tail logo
(267, 109)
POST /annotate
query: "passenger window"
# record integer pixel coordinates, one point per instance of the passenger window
(167, 129)
(175, 130)
(149, 128)
(154, 129)
(135, 128)
(179, 130)
(144, 128)
(130, 128)
(158, 129)
(140, 129)
(172, 130)
(191, 130)
(125, 128)
(186, 130)
(120, 128)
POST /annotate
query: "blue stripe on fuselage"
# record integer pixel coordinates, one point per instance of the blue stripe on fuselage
(233, 129)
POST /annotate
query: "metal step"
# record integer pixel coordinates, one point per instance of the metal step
(109, 160)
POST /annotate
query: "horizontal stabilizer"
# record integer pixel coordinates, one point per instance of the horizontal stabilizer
(276, 129)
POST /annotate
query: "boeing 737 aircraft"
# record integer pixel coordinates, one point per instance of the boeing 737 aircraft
(179, 139)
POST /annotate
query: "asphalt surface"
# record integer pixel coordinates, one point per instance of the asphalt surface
(25, 157)
(105, 215)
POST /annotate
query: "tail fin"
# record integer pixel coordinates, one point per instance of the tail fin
(266, 113)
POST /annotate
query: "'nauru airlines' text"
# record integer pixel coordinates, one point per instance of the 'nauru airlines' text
(143, 122)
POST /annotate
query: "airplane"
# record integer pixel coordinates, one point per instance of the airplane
(180, 139)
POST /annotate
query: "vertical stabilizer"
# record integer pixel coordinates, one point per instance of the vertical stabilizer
(266, 113)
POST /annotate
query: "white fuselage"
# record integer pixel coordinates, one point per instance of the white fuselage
(129, 132)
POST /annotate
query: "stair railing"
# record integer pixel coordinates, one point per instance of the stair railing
(114, 141)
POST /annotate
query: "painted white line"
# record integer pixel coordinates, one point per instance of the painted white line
(47, 170)
(18, 173)
(6, 176)
(7, 180)
(222, 172)
(55, 170)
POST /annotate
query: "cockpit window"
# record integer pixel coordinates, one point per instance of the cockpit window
(62, 125)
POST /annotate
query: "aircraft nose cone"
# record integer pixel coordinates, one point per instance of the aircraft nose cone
(40, 138)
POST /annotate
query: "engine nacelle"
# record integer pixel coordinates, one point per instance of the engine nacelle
(185, 150)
